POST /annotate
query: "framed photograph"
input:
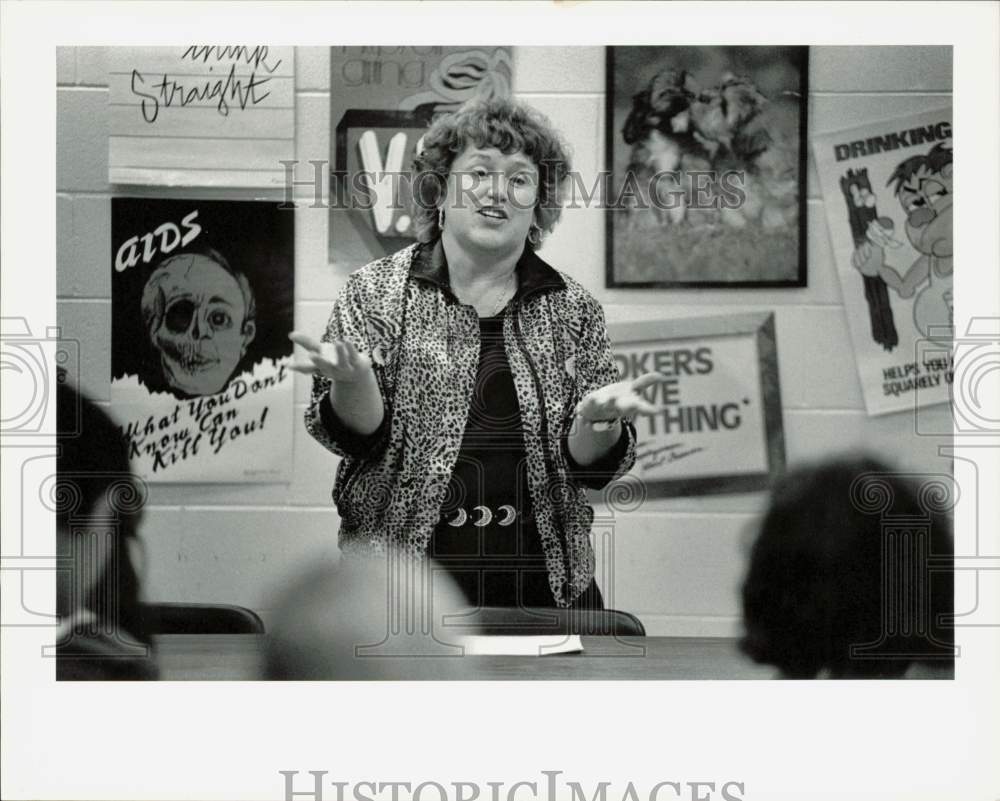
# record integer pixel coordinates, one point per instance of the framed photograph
(706, 155)
(721, 429)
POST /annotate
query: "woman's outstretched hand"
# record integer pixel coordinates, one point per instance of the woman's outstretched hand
(339, 361)
(621, 399)
(354, 392)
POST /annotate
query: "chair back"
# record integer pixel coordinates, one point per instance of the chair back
(178, 618)
(541, 621)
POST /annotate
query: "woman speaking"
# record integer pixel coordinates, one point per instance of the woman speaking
(469, 386)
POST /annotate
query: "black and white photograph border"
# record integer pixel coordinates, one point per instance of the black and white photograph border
(753, 741)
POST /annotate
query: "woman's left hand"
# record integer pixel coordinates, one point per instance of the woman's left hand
(621, 399)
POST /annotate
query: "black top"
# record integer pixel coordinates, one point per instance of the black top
(486, 536)
(499, 536)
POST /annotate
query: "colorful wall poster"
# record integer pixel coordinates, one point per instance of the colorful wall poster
(201, 115)
(382, 98)
(202, 304)
(887, 189)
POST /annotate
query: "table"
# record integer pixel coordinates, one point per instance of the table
(236, 657)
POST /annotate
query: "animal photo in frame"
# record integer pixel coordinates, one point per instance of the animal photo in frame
(707, 174)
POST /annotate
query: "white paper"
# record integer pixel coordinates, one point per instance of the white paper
(542, 645)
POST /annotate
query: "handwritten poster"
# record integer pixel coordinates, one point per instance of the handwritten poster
(721, 428)
(201, 115)
(202, 304)
(382, 98)
(887, 189)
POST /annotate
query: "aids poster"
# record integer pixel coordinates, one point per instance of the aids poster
(202, 303)
(382, 99)
(887, 189)
(720, 427)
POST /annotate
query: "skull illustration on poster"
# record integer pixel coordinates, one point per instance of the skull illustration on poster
(199, 314)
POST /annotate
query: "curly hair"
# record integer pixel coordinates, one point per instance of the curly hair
(510, 127)
(830, 554)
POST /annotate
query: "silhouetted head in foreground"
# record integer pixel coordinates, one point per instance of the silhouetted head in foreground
(851, 573)
(98, 504)
(365, 619)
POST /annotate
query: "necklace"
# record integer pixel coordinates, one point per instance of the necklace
(503, 293)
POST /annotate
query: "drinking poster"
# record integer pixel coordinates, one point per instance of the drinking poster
(887, 188)
(202, 295)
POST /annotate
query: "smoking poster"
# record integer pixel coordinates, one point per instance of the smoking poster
(887, 188)
(202, 303)
(201, 115)
(720, 428)
(382, 99)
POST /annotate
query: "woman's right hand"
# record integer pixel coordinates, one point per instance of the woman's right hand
(339, 361)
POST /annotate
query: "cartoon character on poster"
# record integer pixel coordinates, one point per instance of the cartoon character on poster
(894, 252)
(201, 296)
(923, 187)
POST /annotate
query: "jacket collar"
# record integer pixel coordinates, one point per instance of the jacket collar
(533, 273)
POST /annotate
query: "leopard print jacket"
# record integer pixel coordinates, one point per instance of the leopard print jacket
(424, 347)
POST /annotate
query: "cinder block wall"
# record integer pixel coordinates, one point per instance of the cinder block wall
(677, 564)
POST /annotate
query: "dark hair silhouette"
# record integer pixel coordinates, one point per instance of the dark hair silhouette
(841, 547)
(92, 464)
